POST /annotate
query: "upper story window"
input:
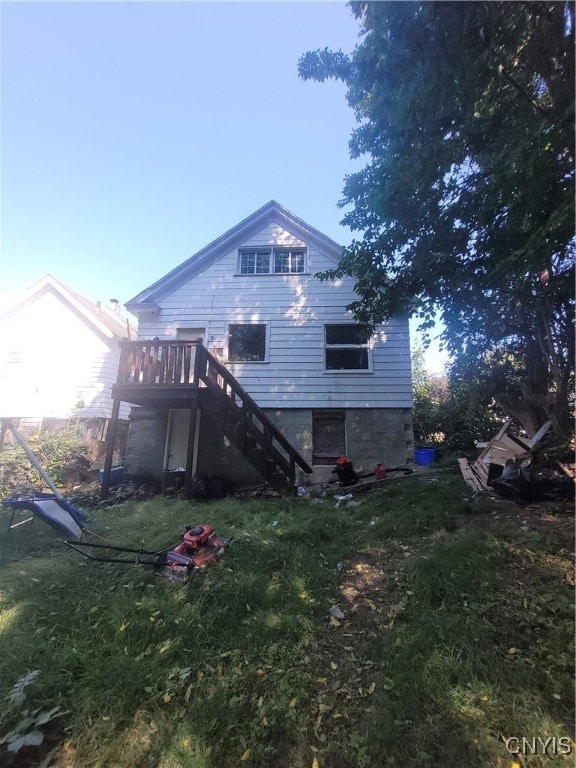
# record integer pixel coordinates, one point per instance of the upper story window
(347, 349)
(270, 261)
(247, 343)
(254, 262)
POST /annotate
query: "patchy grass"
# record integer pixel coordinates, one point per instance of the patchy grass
(457, 634)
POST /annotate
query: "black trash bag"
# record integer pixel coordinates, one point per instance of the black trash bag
(531, 483)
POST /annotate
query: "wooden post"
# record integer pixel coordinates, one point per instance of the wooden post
(191, 452)
(110, 440)
(200, 361)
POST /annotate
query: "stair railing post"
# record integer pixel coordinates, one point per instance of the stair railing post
(244, 426)
(199, 361)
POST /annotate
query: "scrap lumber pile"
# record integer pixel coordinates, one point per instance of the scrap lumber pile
(569, 469)
(503, 449)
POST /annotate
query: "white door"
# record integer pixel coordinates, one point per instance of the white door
(177, 443)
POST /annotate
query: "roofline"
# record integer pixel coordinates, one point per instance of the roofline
(73, 298)
(147, 298)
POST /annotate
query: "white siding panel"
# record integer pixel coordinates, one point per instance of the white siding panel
(273, 234)
(62, 361)
(296, 307)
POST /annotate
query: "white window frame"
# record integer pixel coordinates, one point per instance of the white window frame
(272, 252)
(266, 344)
(365, 346)
(256, 252)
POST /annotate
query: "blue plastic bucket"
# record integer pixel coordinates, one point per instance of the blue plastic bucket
(116, 475)
(425, 456)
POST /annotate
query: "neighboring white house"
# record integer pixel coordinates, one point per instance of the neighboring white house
(59, 354)
(254, 299)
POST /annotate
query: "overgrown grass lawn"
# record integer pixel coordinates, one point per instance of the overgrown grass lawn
(457, 635)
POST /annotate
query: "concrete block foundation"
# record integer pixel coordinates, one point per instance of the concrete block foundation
(372, 436)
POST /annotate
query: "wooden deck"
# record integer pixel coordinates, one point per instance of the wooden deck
(183, 374)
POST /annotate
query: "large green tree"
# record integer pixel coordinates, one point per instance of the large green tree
(465, 206)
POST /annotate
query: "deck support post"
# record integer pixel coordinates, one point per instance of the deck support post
(192, 450)
(110, 440)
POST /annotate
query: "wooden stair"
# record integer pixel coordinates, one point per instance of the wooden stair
(244, 424)
(183, 374)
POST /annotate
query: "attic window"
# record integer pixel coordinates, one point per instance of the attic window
(287, 261)
(266, 261)
(255, 262)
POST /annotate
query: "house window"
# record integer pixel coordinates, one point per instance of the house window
(255, 262)
(265, 261)
(328, 436)
(288, 261)
(346, 348)
(247, 343)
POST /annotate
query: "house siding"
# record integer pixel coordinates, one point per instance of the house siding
(206, 292)
(51, 359)
(295, 307)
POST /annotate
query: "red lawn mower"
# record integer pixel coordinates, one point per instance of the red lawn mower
(198, 548)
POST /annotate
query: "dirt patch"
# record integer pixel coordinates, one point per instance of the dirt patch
(370, 590)
(370, 598)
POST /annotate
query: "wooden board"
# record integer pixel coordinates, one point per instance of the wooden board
(569, 469)
(471, 477)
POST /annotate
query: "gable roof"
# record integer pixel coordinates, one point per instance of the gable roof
(101, 319)
(230, 240)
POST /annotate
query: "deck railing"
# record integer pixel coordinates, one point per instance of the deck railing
(167, 364)
(158, 363)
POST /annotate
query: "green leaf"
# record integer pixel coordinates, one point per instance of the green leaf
(31, 739)
(47, 715)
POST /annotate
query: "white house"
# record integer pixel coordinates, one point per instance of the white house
(59, 354)
(253, 297)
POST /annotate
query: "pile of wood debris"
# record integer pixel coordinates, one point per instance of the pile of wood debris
(505, 465)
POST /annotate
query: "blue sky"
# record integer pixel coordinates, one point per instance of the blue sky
(133, 134)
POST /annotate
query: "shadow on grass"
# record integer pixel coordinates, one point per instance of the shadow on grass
(150, 673)
(454, 685)
(122, 651)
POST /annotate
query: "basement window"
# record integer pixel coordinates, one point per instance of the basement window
(247, 343)
(346, 348)
(328, 436)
